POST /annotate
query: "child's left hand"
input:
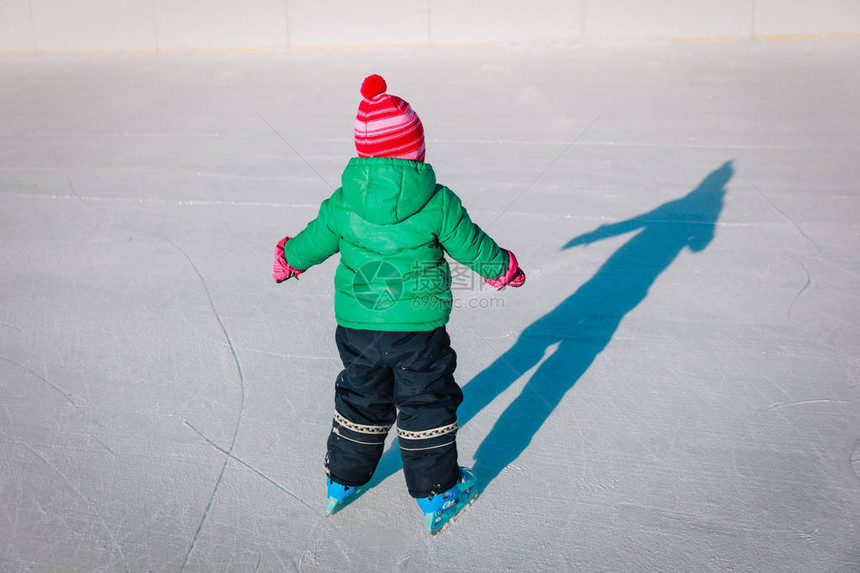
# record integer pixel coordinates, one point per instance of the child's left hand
(514, 276)
(281, 269)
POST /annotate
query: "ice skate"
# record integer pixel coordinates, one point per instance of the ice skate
(441, 508)
(338, 496)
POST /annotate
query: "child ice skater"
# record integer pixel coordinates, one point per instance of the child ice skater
(393, 224)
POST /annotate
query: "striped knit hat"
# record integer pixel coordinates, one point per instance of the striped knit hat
(385, 125)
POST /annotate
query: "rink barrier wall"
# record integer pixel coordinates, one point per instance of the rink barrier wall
(44, 26)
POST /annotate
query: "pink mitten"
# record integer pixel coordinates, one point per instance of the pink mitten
(281, 269)
(514, 276)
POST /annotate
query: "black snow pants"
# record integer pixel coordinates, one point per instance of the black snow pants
(396, 377)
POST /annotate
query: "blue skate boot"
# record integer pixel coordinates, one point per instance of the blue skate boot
(441, 508)
(338, 496)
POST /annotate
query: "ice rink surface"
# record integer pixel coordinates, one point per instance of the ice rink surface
(675, 388)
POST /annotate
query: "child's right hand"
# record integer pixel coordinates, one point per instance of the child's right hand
(281, 269)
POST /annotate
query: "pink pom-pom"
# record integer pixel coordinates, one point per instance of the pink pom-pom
(372, 86)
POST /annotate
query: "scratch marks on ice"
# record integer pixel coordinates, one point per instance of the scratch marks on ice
(250, 467)
(803, 234)
(239, 374)
(806, 402)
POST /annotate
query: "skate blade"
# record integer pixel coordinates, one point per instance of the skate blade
(456, 516)
(333, 508)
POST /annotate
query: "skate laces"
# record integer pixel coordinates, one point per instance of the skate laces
(446, 500)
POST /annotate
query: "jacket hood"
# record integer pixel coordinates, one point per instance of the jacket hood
(384, 190)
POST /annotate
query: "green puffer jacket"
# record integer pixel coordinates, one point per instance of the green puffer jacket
(393, 224)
